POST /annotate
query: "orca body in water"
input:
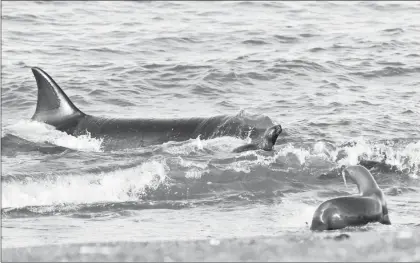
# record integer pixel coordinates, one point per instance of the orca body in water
(56, 109)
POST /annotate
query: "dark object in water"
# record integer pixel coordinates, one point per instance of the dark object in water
(369, 206)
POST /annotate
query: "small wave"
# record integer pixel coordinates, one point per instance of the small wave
(226, 104)
(183, 40)
(166, 4)
(118, 186)
(258, 76)
(255, 42)
(326, 124)
(357, 88)
(331, 85)
(118, 102)
(365, 102)
(108, 50)
(413, 55)
(390, 45)
(92, 210)
(307, 35)
(279, 69)
(316, 49)
(388, 63)
(387, 72)
(203, 89)
(245, 3)
(12, 145)
(155, 66)
(107, 210)
(20, 18)
(212, 13)
(188, 175)
(407, 112)
(301, 64)
(187, 68)
(395, 190)
(381, 6)
(99, 92)
(336, 105)
(221, 77)
(274, 4)
(286, 39)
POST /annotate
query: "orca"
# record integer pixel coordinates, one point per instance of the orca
(55, 108)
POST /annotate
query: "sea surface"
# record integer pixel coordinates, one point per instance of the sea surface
(342, 78)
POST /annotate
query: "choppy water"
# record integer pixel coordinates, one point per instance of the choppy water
(341, 78)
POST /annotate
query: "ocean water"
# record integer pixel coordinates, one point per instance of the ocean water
(340, 77)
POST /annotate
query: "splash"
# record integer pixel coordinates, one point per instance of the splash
(350, 155)
(299, 154)
(343, 174)
(411, 156)
(195, 169)
(118, 186)
(241, 166)
(404, 156)
(195, 173)
(40, 133)
(194, 146)
(191, 164)
(323, 156)
(184, 148)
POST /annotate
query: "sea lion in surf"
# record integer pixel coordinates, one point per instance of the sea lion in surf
(56, 109)
(266, 143)
(369, 206)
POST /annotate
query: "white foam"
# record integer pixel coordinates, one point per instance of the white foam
(354, 152)
(225, 144)
(404, 158)
(412, 152)
(38, 132)
(186, 163)
(344, 178)
(117, 186)
(195, 173)
(240, 166)
(300, 153)
(319, 148)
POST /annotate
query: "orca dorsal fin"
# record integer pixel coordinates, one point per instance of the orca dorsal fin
(53, 106)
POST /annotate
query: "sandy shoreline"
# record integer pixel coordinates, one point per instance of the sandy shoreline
(403, 245)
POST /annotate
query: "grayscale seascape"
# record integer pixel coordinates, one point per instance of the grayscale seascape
(342, 79)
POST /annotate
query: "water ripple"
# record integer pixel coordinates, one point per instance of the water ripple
(329, 73)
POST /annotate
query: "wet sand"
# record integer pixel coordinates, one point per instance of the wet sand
(396, 245)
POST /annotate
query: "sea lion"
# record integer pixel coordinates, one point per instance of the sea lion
(266, 143)
(369, 206)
